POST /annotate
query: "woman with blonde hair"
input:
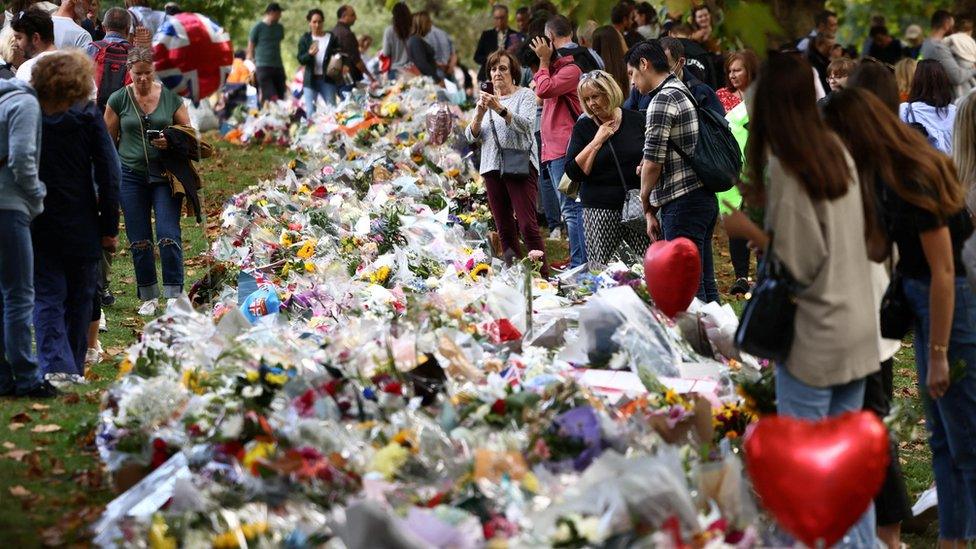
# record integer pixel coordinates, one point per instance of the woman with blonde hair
(10, 53)
(964, 147)
(77, 157)
(904, 75)
(604, 150)
(135, 116)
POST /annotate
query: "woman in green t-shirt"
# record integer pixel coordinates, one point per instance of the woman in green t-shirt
(135, 116)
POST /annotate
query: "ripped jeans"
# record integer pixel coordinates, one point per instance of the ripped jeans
(140, 201)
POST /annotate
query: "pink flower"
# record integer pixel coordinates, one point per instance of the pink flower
(536, 255)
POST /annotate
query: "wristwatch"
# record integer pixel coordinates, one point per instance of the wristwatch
(503, 113)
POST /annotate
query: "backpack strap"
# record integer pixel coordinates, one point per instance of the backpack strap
(687, 93)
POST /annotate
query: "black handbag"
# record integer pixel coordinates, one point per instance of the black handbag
(516, 162)
(767, 324)
(896, 316)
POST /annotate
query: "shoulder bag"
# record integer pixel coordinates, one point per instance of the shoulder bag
(768, 320)
(333, 62)
(632, 211)
(514, 162)
(896, 316)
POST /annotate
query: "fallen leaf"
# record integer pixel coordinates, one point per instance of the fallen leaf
(14, 426)
(9, 445)
(48, 428)
(22, 417)
(16, 455)
(19, 491)
(38, 407)
(114, 351)
(71, 398)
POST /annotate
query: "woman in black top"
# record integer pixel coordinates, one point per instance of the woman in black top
(421, 53)
(591, 163)
(923, 212)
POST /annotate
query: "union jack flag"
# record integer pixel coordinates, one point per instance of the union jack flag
(193, 55)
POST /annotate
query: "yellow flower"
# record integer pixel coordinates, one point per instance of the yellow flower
(453, 172)
(157, 535)
(389, 459)
(309, 267)
(260, 450)
(286, 239)
(479, 270)
(389, 109)
(276, 379)
(304, 188)
(125, 367)
(530, 483)
(252, 375)
(672, 397)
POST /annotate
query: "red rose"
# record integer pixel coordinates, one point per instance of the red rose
(499, 407)
(393, 388)
(332, 387)
(305, 403)
(507, 331)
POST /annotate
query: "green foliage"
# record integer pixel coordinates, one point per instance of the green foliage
(751, 23)
(899, 14)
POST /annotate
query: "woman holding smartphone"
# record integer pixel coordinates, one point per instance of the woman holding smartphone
(135, 116)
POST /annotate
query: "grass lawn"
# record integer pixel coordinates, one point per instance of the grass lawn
(51, 482)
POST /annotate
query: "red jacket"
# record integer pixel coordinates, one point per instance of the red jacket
(556, 86)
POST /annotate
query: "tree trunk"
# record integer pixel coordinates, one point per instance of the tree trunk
(966, 7)
(796, 16)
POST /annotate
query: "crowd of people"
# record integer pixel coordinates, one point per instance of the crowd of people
(857, 173)
(89, 132)
(581, 118)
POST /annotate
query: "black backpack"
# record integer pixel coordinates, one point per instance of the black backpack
(717, 160)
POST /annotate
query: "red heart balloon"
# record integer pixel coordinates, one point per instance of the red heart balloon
(672, 271)
(817, 477)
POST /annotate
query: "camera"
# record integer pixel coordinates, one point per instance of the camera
(154, 134)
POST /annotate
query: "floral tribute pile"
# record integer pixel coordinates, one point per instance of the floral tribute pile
(359, 371)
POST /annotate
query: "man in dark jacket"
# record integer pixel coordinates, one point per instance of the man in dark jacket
(819, 56)
(348, 46)
(884, 47)
(704, 95)
(493, 39)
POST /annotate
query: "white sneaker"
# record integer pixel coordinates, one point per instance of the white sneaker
(61, 380)
(556, 234)
(926, 500)
(102, 323)
(148, 308)
(94, 354)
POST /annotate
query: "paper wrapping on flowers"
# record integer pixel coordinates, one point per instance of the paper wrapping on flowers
(366, 346)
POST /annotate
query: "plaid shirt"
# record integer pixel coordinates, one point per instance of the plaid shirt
(671, 116)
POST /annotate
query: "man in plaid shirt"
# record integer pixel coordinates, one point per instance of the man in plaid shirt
(676, 204)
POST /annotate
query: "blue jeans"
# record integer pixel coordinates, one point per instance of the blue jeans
(951, 419)
(18, 369)
(572, 214)
(795, 398)
(693, 216)
(63, 310)
(318, 87)
(140, 200)
(547, 194)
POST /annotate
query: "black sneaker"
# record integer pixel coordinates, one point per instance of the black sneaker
(108, 299)
(43, 390)
(740, 288)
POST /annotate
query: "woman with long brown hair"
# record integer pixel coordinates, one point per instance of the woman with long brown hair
(395, 38)
(923, 209)
(815, 227)
(611, 48)
(929, 104)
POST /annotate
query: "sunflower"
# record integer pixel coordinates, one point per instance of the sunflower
(479, 270)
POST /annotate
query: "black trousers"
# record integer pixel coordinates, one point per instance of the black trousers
(739, 252)
(891, 505)
(271, 83)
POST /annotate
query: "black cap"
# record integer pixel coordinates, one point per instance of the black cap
(274, 6)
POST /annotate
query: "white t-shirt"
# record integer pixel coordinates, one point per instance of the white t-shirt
(68, 34)
(26, 71)
(320, 55)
